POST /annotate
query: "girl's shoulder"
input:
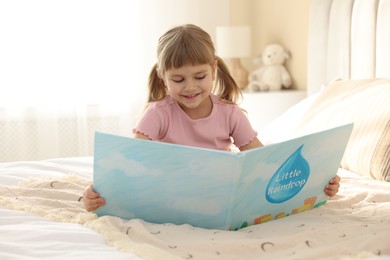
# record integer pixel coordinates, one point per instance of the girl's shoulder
(166, 102)
(223, 103)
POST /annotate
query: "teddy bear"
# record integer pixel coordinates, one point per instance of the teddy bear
(272, 75)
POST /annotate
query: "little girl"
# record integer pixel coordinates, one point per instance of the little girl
(186, 107)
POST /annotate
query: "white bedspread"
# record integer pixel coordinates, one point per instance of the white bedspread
(24, 235)
(353, 225)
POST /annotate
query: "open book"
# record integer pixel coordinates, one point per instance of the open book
(167, 183)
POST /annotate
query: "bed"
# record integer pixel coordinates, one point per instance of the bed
(41, 208)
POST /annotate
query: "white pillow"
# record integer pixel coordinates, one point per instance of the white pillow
(282, 128)
(366, 103)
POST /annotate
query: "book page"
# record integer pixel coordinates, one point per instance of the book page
(287, 178)
(164, 183)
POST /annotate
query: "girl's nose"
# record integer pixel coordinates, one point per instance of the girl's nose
(190, 85)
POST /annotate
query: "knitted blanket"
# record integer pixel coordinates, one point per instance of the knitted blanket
(333, 231)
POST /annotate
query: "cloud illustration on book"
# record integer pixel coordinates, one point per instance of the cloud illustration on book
(216, 170)
(129, 167)
(260, 167)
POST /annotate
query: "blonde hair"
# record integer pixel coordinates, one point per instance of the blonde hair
(184, 45)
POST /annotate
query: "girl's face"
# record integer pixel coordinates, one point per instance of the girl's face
(191, 86)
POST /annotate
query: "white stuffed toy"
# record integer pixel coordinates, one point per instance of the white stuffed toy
(272, 75)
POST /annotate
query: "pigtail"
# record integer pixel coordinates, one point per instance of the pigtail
(156, 86)
(226, 87)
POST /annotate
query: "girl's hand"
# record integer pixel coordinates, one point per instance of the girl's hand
(333, 187)
(92, 200)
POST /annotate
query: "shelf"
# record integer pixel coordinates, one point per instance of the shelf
(263, 107)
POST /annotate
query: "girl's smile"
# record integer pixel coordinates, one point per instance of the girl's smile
(191, 97)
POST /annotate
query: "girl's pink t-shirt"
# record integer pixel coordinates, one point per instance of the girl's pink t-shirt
(165, 121)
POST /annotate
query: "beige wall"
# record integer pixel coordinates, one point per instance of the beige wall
(276, 21)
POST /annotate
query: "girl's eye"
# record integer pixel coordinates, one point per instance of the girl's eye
(177, 80)
(200, 77)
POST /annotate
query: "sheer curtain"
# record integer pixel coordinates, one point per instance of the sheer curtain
(70, 68)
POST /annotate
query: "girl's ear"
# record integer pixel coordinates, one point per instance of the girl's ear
(161, 76)
(214, 69)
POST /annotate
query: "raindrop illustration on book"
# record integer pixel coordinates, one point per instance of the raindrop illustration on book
(289, 179)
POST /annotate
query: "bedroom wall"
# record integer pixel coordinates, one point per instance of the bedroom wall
(277, 21)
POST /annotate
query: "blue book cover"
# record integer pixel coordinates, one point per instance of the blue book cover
(167, 183)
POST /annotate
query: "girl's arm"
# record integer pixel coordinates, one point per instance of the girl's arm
(255, 143)
(141, 136)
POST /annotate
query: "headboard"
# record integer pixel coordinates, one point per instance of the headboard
(348, 39)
